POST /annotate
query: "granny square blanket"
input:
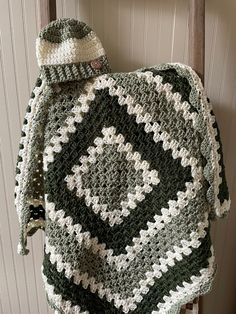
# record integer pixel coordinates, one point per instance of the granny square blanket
(124, 172)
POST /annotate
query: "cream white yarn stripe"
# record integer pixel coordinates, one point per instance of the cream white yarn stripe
(200, 284)
(57, 300)
(220, 209)
(25, 152)
(150, 177)
(143, 285)
(71, 50)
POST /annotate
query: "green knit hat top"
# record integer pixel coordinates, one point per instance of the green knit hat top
(70, 50)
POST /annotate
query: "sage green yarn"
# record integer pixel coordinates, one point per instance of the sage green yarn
(63, 29)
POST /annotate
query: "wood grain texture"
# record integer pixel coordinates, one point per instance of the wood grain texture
(196, 30)
(47, 10)
(196, 53)
(135, 34)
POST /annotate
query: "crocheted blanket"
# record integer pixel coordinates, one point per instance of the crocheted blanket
(124, 172)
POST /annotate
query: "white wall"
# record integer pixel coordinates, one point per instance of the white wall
(135, 33)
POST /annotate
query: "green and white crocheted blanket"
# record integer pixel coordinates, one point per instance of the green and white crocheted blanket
(124, 172)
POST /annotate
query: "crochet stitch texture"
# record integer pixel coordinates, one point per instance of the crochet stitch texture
(125, 172)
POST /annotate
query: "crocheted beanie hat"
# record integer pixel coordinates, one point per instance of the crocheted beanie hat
(69, 50)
